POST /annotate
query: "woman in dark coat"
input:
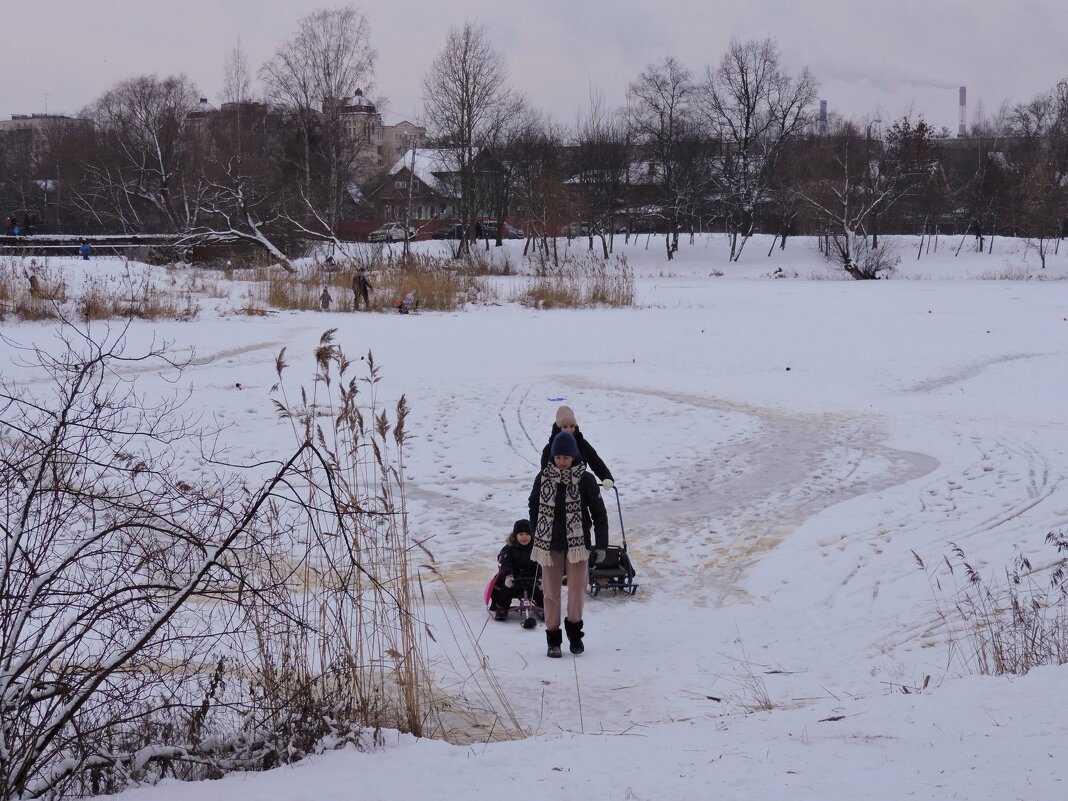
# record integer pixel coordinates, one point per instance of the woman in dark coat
(518, 572)
(565, 505)
(565, 421)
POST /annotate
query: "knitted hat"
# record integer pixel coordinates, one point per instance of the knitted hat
(565, 416)
(564, 445)
(521, 527)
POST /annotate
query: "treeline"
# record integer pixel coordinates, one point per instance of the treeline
(735, 148)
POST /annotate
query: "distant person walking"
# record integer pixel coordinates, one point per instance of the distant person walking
(325, 299)
(86, 250)
(9, 224)
(361, 288)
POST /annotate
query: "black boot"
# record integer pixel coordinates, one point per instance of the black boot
(555, 638)
(574, 636)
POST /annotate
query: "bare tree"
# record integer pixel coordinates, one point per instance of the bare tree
(837, 193)
(1039, 201)
(602, 161)
(143, 161)
(312, 75)
(467, 103)
(237, 82)
(753, 108)
(663, 123)
(535, 154)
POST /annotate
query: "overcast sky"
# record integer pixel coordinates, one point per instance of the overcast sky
(872, 58)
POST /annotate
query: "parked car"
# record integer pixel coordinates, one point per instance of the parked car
(450, 231)
(649, 224)
(487, 229)
(391, 232)
(576, 229)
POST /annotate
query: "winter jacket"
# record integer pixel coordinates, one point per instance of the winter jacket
(586, 453)
(594, 515)
(361, 284)
(515, 560)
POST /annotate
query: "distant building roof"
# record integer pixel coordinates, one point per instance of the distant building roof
(358, 104)
(428, 165)
(202, 109)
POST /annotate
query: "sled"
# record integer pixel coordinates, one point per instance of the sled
(523, 608)
(615, 572)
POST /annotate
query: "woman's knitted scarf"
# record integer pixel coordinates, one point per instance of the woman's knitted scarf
(551, 478)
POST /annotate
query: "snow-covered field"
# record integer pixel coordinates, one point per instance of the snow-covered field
(784, 448)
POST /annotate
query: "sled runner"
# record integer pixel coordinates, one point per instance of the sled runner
(615, 572)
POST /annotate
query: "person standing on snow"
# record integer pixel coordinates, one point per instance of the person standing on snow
(361, 287)
(565, 504)
(86, 250)
(565, 421)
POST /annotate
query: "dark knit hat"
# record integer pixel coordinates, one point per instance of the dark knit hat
(564, 445)
(521, 527)
(565, 416)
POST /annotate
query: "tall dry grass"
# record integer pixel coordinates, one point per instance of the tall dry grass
(579, 282)
(35, 290)
(439, 284)
(356, 570)
(1006, 625)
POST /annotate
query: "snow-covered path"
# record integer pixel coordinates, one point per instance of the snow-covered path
(784, 451)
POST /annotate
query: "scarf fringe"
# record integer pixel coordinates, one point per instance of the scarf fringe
(542, 557)
(578, 554)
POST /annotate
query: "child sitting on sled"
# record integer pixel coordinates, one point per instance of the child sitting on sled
(518, 572)
(408, 304)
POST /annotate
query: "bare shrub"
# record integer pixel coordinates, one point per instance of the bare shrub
(189, 619)
(1005, 628)
(854, 253)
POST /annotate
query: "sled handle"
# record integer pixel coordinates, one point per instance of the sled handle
(619, 509)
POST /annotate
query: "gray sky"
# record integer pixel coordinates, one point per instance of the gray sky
(872, 58)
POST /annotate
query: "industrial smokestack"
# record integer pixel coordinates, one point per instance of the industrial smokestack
(823, 118)
(962, 129)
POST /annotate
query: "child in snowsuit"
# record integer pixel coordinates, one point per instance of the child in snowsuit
(518, 572)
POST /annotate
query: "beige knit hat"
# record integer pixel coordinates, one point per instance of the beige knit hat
(565, 417)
